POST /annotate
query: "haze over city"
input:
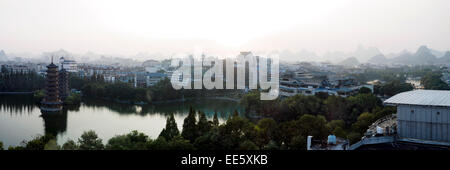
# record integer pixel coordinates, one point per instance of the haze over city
(148, 28)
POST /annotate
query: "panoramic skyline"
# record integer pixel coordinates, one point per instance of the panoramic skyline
(129, 28)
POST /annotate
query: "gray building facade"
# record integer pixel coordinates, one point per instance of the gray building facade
(423, 114)
(423, 122)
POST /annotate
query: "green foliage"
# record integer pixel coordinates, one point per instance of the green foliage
(265, 131)
(339, 132)
(298, 143)
(234, 131)
(394, 87)
(336, 127)
(254, 105)
(363, 122)
(131, 141)
(52, 145)
(215, 122)
(38, 143)
(381, 112)
(1, 145)
(310, 125)
(354, 137)
(159, 144)
(171, 129)
(73, 99)
(203, 124)
(364, 90)
(20, 82)
(121, 92)
(209, 141)
(90, 141)
(272, 145)
(298, 105)
(179, 143)
(432, 81)
(248, 145)
(336, 107)
(70, 145)
(190, 130)
(38, 95)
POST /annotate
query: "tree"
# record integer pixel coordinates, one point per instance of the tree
(203, 124)
(339, 132)
(90, 141)
(248, 145)
(131, 141)
(189, 131)
(236, 130)
(394, 87)
(432, 81)
(335, 123)
(265, 130)
(52, 145)
(298, 143)
(209, 141)
(364, 90)
(313, 125)
(336, 107)
(1, 145)
(159, 144)
(38, 143)
(298, 105)
(70, 145)
(215, 122)
(363, 122)
(354, 137)
(171, 129)
(179, 143)
(336, 127)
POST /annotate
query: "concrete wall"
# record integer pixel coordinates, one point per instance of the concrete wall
(424, 122)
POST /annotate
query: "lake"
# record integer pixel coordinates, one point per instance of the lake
(21, 119)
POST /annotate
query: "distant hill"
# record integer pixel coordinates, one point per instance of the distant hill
(423, 55)
(3, 56)
(378, 59)
(351, 61)
(444, 59)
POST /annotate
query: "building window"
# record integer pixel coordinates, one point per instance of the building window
(412, 111)
(438, 113)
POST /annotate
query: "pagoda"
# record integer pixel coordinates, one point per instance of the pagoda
(63, 82)
(51, 101)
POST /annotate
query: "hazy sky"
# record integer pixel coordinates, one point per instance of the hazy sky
(130, 26)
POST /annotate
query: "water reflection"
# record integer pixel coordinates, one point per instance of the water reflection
(55, 123)
(17, 104)
(21, 119)
(209, 107)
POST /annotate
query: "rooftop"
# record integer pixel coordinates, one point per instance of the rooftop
(422, 97)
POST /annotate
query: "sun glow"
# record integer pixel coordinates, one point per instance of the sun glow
(229, 23)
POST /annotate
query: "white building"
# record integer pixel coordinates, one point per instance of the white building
(423, 114)
(69, 65)
(153, 78)
(152, 66)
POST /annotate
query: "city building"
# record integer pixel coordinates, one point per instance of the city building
(422, 122)
(423, 114)
(17, 68)
(153, 78)
(69, 65)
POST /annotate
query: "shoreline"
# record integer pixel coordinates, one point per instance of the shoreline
(170, 101)
(17, 92)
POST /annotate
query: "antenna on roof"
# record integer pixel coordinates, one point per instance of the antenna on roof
(52, 59)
